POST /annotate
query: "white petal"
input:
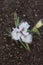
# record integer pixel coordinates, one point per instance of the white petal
(15, 35)
(25, 33)
(24, 25)
(27, 39)
(15, 29)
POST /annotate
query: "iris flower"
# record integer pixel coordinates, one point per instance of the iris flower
(21, 33)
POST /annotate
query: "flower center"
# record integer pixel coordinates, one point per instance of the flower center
(21, 31)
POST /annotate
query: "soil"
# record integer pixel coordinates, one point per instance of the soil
(12, 53)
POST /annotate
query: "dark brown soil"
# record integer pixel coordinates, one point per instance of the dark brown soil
(12, 53)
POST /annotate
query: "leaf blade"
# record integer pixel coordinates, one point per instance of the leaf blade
(16, 19)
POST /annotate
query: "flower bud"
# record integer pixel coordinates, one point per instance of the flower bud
(39, 24)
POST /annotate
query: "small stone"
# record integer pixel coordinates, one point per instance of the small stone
(1, 19)
(19, 63)
(7, 16)
(12, 44)
(17, 52)
(3, 47)
(15, 48)
(4, 37)
(24, 15)
(17, 2)
(20, 57)
(21, 47)
(10, 55)
(6, 45)
(36, 15)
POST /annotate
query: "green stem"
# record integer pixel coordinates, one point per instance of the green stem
(29, 31)
(27, 47)
(22, 43)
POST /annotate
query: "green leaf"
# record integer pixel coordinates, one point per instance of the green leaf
(16, 19)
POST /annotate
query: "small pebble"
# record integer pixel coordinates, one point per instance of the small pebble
(7, 16)
(24, 15)
(15, 48)
(20, 57)
(3, 47)
(12, 44)
(10, 55)
(6, 45)
(1, 19)
(21, 47)
(17, 52)
(36, 15)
